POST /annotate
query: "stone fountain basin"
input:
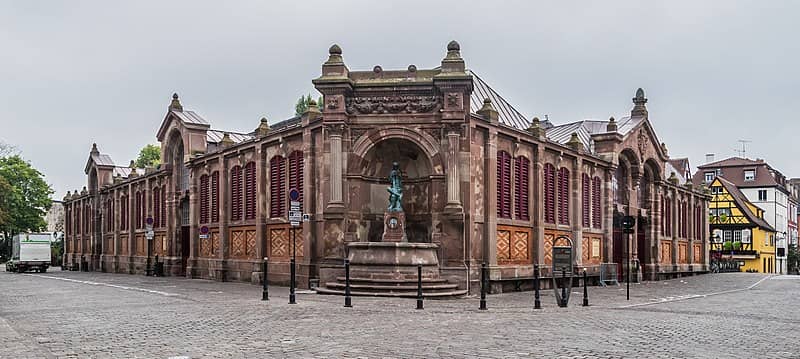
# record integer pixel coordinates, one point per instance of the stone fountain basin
(393, 260)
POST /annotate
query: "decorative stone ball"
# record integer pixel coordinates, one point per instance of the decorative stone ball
(412, 68)
(453, 46)
(377, 69)
(335, 50)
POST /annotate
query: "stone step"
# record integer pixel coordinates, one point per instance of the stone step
(389, 280)
(370, 287)
(447, 294)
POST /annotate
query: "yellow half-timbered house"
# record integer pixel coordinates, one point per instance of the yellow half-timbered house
(739, 231)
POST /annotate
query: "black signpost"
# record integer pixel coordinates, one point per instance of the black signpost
(295, 216)
(628, 222)
(148, 271)
(562, 261)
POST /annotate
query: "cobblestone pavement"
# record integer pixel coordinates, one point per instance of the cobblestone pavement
(74, 314)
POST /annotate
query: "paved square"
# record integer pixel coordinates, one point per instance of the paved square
(74, 314)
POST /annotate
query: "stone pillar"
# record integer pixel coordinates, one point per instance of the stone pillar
(675, 219)
(261, 203)
(490, 214)
(224, 205)
(194, 214)
(453, 178)
(691, 226)
(335, 133)
(655, 223)
(608, 206)
(576, 190)
(538, 200)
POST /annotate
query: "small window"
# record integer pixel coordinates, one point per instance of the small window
(737, 236)
(710, 177)
(749, 175)
(762, 195)
(726, 236)
(716, 190)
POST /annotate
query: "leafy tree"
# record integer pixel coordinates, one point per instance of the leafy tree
(302, 104)
(7, 150)
(5, 197)
(150, 155)
(25, 202)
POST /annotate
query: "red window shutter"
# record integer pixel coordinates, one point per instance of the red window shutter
(156, 207)
(277, 187)
(663, 217)
(163, 206)
(503, 184)
(250, 190)
(597, 215)
(138, 208)
(549, 193)
(521, 188)
(296, 172)
(585, 200)
(236, 193)
(215, 197)
(563, 196)
(204, 199)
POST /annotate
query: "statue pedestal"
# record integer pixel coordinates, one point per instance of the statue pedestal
(394, 227)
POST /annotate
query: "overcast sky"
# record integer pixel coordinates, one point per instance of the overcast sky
(77, 72)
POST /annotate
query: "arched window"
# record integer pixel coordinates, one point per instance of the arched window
(521, 188)
(549, 193)
(68, 220)
(296, 172)
(597, 212)
(503, 184)
(236, 193)
(204, 199)
(585, 198)
(250, 190)
(563, 195)
(277, 187)
(123, 213)
(215, 196)
(668, 217)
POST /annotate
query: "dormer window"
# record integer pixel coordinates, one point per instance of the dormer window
(749, 175)
(710, 177)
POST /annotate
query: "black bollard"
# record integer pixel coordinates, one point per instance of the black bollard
(347, 301)
(585, 292)
(292, 283)
(419, 286)
(537, 303)
(265, 290)
(483, 286)
(563, 288)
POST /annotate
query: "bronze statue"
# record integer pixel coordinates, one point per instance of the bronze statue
(395, 189)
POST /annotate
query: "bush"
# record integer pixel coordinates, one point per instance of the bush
(737, 245)
(726, 246)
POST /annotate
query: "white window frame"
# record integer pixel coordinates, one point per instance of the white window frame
(751, 178)
(709, 176)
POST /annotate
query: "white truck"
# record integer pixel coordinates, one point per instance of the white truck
(31, 251)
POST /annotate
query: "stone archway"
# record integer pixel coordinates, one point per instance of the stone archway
(369, 179)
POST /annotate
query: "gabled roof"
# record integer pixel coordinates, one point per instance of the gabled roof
(741, 201)
(189, 118)
(99, 160)
(733, 170)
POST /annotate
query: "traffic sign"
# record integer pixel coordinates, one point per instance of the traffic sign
(149, 235)
(294, 194)
(203, 232)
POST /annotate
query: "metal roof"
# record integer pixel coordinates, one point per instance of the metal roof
(216, 136)
(509, 116)
(101, 159)
(586, 128)
(190, 117)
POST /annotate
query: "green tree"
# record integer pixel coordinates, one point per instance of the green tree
(25, 202)
(150, 155)
(793, 259)
(302, 104)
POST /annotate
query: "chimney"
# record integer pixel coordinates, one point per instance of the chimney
(709, 157)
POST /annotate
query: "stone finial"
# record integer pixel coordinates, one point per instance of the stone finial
(263, 128)
(83, 191)
(133, 169)
(335, 55)
(117, 178)
(94, 148)
(67, 196)
(488, 112)
(226, 140)
(664, 148)
(536, 128)
(453, 61)
(639, 101)
(673, 178)
(574, 142)
(612, 125)
(175, 105)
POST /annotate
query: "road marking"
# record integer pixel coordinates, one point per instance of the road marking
(694, 296)
(145, 290)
